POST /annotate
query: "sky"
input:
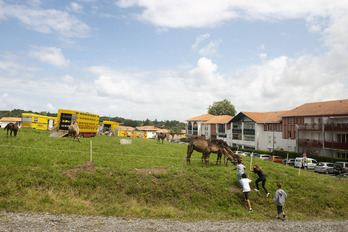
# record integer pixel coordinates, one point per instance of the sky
(171, 59)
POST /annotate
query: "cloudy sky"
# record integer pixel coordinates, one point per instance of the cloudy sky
(170, 60)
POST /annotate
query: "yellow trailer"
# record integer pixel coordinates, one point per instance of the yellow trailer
(37, 121)
(88, 123)
(110, 128)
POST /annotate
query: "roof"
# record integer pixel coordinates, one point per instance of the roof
(10, 119)
(147, 128)
(204, 117)
(262, 117)
(164, 131)
(125, 128)
(221, 119)
(320, 108)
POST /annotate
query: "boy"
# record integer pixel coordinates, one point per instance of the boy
(279, 198)
(240, 168)
(246, 189)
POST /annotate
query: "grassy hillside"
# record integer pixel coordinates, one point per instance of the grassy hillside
(149, 180)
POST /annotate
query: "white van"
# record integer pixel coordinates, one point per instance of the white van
(308, 164)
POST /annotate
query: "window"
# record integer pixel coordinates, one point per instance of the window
(342, 138)
(289, 120)
(35, 120)
(289, 134)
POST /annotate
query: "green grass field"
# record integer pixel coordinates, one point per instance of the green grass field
(147, 179)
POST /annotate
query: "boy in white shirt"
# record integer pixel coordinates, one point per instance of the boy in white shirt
(240, 168)
(246, 189)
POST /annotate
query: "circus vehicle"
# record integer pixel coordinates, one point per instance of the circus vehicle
(39, 122)
(87, 122)
(110, 128)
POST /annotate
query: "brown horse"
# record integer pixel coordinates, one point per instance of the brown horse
(161, 136)
(74, 131)
(11, 127)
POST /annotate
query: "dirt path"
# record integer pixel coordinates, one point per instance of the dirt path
(49, 222)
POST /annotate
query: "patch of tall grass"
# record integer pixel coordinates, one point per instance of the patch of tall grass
(32, 167)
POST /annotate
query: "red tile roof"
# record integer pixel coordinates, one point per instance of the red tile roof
(337, 107)
(10, 119)
(204, 117)
(221, 119)
(147, 128)
(265, 117)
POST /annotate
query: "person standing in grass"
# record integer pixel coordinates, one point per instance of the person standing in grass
(240, 168)
(279, 198)
(262, 177)
(246, 189)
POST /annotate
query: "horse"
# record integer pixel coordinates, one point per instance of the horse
(161, 136)
(74, 130)
(11, 127)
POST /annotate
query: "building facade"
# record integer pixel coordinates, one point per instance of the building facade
(319, 128)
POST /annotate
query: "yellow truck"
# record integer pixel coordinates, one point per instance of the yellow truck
(88, 123)
(110, 128)
(37, 121)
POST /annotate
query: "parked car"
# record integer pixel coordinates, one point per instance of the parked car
(245, 154)
(340, 167)
(276, 159)
(308, 164)
(324, 167)
(238, 152)
(262, 156)
(290, 162)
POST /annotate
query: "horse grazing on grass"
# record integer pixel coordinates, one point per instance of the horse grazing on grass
(74, 131)
(161, 136)
(11, 127)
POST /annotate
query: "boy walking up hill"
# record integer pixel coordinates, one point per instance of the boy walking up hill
(279, 198)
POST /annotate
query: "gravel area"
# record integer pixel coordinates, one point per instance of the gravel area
(48, 222)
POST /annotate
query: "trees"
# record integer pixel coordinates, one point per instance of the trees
(175, 131)
(224, 107)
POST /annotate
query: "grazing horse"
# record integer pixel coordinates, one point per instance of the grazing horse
(11, 127)
(74, 131)
(161, 136)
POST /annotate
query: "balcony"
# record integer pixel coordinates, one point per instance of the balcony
(310, 143)
(319, 144)
(310, 127)
(337, 127)
(249, 131)
(336, 145)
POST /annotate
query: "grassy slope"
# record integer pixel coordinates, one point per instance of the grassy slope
(31, 179)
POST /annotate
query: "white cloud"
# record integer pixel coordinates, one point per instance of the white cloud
(50, 55)
(75, 7)
(199, 40)
(50, 108)
(210, 49)
(68, 79)
(46, 21)
(263, 55)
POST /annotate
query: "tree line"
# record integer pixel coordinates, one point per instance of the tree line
(167, 124)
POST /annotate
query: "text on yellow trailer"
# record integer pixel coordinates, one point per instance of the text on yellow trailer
(88, 123)
(37, 121)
